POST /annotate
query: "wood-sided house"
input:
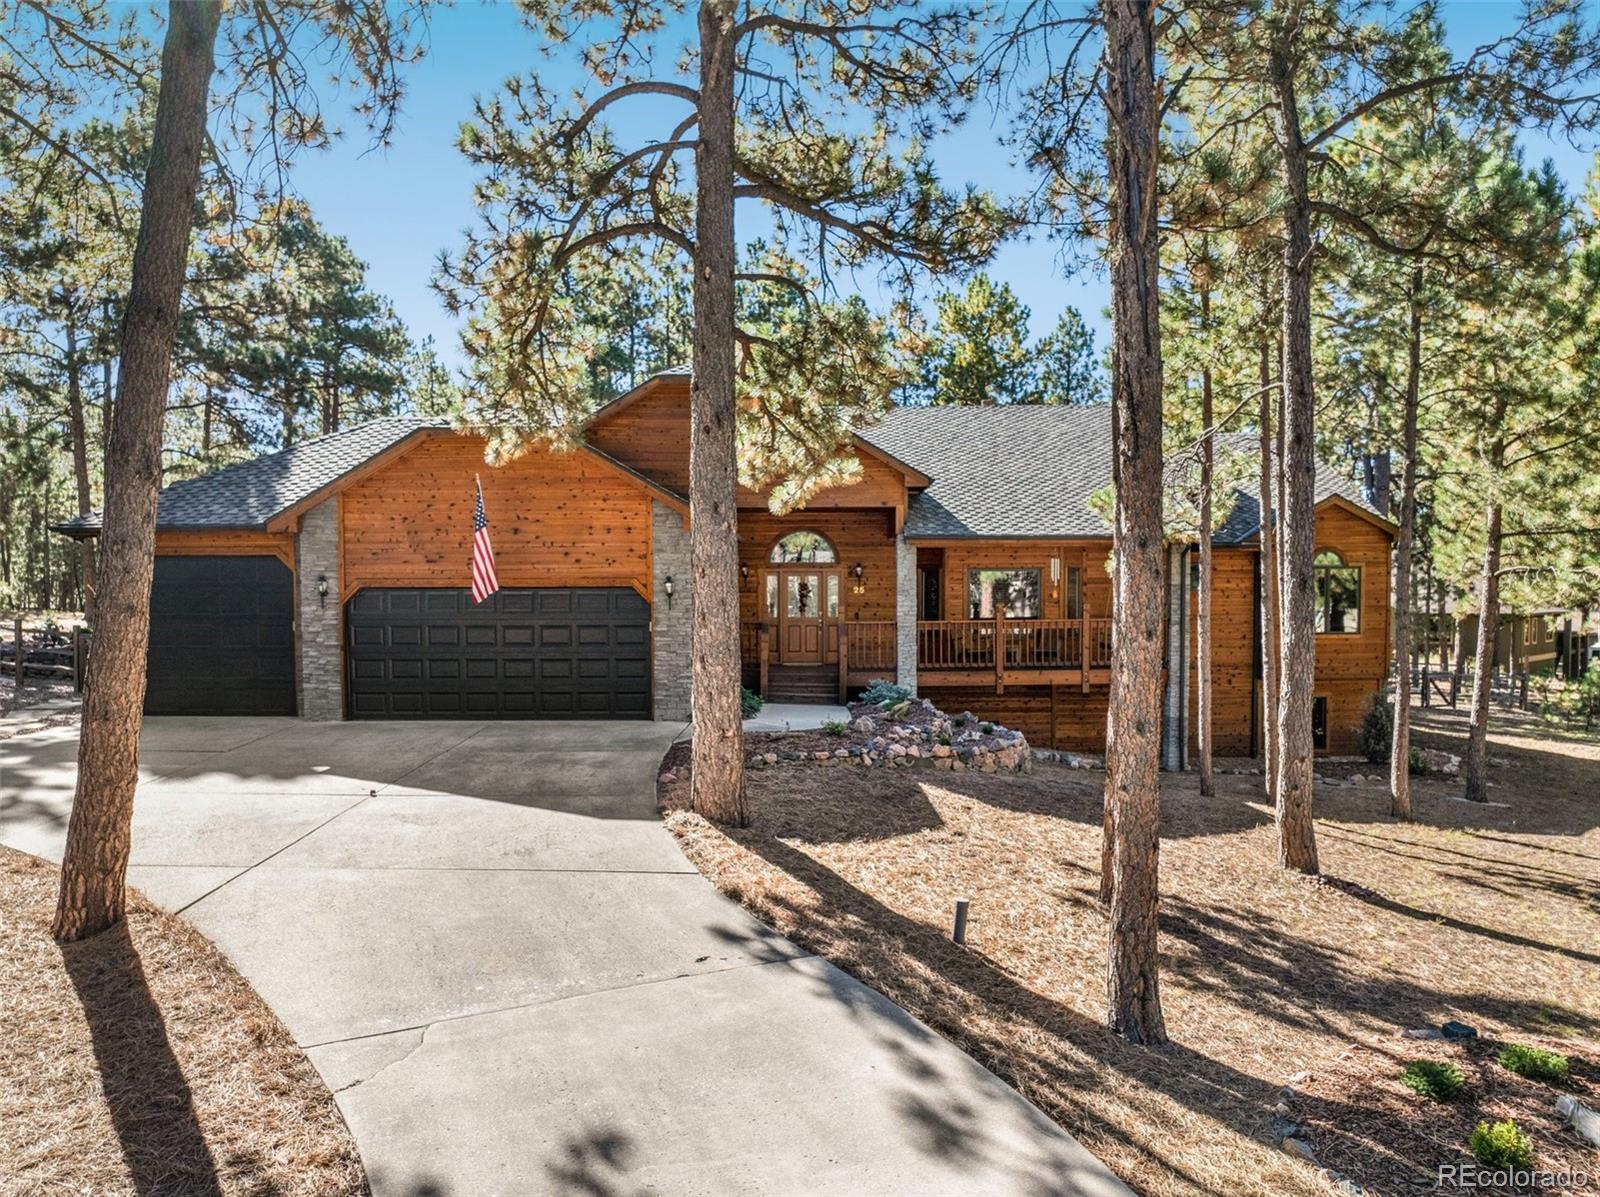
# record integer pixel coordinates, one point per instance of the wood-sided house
(332, 580)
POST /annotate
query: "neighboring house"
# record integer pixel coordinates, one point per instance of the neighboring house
(1532, 641)
(331, 579)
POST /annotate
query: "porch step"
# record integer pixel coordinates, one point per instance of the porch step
(801, 683)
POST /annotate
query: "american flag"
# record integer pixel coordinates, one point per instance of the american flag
(484, 580)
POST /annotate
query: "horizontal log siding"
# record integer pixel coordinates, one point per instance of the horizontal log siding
(556, 519)
(651, 434)
(1233, 592)
(1350, 669)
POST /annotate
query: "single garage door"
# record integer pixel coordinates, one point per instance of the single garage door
(221, 637)
(522, 654)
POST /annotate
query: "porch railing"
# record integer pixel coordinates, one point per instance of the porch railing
(870, 648)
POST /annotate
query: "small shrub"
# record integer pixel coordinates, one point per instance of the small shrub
(1417, 764)
(986, 728)
(961, 720)
(1441, 1081)
(1534, 1063)
(1501, 1145)
(1376, 734)
(884, 694)
(944, 739)
(836, 727)
(750, 703)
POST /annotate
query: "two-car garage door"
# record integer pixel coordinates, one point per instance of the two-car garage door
(222, 642)
(521, 654)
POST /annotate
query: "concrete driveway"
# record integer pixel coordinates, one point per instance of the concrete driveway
(515, 983)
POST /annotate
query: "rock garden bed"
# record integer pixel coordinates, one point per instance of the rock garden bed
(906, 732)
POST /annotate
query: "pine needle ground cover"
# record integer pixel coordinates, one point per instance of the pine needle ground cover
(140, 1062)
(1487, 914)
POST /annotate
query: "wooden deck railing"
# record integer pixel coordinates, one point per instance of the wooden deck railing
(969, 645)
(869, 648)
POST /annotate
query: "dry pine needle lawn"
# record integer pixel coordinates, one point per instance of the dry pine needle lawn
(140, 1062)
(1490, 915)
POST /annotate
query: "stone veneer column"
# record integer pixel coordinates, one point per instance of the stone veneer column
(905, 613)
(671, 629)
(320, 669)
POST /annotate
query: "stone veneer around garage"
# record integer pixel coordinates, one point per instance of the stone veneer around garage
(319, 679)
(670, 627)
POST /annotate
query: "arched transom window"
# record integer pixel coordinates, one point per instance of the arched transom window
(803, 548)
(1338, 594)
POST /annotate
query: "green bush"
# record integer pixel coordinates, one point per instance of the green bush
(750, 703)
(884, 694)
(836, 727)
(1375, 738)
(1534, 1063)
(1501, 1145)
(1416, 764)
(1431, 1078)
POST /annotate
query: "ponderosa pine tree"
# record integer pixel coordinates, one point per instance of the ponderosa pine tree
(772, 404)
(266, 63)
(1314, 70)
(1133, 795)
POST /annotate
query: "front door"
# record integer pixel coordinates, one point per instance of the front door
(800, 616)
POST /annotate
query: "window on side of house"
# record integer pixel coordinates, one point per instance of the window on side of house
(1013, 591)
(1338, 594)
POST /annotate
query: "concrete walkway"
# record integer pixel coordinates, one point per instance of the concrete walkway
(796, 716)
(515, 983)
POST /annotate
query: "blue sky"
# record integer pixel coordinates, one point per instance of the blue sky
(400, 206)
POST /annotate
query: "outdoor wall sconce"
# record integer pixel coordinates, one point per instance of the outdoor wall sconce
(666, 584)
(744, 572)
(322, 590)
(857, 573)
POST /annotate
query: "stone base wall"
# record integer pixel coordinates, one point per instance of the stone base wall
(320, 672)
(671, 627)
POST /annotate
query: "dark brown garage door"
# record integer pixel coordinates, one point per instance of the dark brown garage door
(221, 637)
(523, 654)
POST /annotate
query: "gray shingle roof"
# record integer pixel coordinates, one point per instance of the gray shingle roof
(1023, 471)
(249, 494)
(1001, 471)
(1029, 471)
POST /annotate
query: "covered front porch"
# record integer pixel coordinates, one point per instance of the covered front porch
(949, 652)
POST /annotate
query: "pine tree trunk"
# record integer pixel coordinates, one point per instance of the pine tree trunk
(1203, 699)
(1475, 770)
(1133, 750)
(717, 789)
(94, 865)
(1297, 845)
(105, 393)
(1400, 746)
(1269, 579)
(79, 432)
